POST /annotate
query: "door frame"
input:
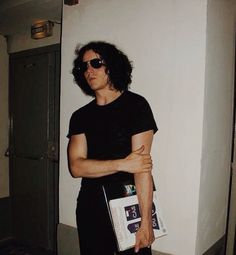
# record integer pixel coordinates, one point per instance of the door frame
(56, 107)
(230, 246)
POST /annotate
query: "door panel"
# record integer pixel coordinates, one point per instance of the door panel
(29, 105)
(34, 99)
(29, 201)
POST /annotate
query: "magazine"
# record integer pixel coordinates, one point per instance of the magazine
(122, 203)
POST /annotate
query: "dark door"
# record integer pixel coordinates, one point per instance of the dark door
(34, 115)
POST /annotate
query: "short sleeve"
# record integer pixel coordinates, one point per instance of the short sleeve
(76, 124)
(142, 119)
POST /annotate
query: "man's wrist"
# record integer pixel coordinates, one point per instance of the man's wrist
(119, 165)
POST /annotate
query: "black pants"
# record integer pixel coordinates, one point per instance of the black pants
(95, 231)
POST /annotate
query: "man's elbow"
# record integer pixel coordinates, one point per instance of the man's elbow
(74, 170)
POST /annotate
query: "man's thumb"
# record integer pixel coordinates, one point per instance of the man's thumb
(139, 150)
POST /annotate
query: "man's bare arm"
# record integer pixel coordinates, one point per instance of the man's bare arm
(81, 166)
(144, 186)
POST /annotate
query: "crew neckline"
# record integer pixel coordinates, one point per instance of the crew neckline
(112, 102)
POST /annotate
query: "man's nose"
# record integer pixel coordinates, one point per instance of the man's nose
(89, 67)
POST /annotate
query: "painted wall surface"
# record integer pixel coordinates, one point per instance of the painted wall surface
(166, 41)
(217, 128)
(4, 120)
(23, 41)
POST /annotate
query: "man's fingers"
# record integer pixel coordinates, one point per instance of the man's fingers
(147, 160)
(136, 248)
(147, 164)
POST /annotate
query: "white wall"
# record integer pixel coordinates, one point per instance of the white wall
(217, 128)
(4, 120)
(166, 41)
(23, 41)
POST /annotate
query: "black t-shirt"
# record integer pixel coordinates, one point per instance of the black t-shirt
(109, 128)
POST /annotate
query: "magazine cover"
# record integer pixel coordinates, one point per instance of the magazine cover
(122, 203)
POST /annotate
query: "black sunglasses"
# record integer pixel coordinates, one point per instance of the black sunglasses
(95, 63)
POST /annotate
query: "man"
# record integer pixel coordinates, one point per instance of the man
(110, 140)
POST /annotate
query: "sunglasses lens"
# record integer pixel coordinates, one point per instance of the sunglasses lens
(95, 63)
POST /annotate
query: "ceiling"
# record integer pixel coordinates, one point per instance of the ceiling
(18, 15)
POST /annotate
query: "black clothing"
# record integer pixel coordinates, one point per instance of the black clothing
(108, 130)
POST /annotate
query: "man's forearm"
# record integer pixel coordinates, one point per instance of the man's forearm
(144, 187)
(81, 166)
(94, 168)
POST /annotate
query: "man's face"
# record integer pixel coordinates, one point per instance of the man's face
(96, 77)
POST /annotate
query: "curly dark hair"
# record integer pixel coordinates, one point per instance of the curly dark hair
(118, 67)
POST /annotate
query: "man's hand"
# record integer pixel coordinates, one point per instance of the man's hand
(136, 162)
(144, 236)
